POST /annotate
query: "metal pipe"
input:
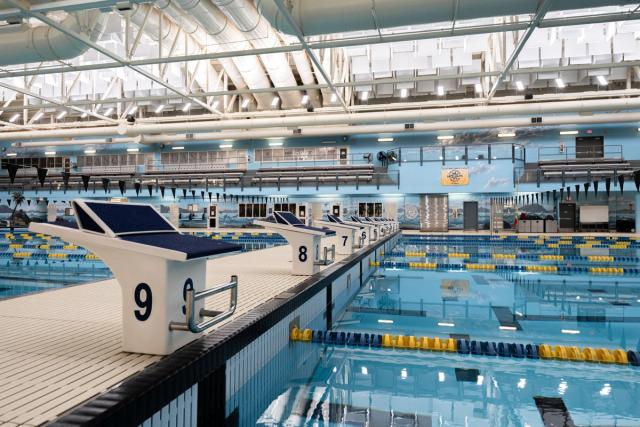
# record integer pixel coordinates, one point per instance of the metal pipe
(402, 117)
(314, 131)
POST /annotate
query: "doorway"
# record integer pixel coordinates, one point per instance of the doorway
(470, 215)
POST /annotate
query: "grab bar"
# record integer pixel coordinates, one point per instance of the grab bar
(326, 260)
(361, 245)
(216, 317)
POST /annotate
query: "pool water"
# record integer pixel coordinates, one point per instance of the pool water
(337, 385)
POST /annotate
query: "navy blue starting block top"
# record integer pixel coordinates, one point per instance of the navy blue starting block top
(336, 219)
(282, 217)
(142, 224)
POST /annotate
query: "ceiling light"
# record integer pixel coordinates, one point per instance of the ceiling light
(14, 117)
(478, 88)
(364, 95)
(385, 139)
(404, 93)
(570, 331)
(447, 324)
(445, 137)
(12, 154)
(387, 321)
(519, 85)
(275, 144)
(133, 150)
(602, 81)
(334, 97)
(159, 108)
(440, 90)
(506, 134)
(38, 116)
(228, 145)
(215, 104)
(560, 84)
(49, 153)
(133, 109)
(109, 111)
(245, 103)
(61, 115)
(178, 147)
(186, 107)
(90, 151)
(275, 101)
(84, 115)
(568, 132)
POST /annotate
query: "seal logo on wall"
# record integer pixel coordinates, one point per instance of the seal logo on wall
(454, 176)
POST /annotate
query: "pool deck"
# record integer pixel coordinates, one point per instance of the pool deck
(62, 347)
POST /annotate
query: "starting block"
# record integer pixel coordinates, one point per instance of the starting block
(349, 237)
(306, 242)
(161, 271)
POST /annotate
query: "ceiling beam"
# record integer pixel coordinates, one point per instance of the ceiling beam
(539, 16)
(344, 42)
(314, 58)
(106, 52)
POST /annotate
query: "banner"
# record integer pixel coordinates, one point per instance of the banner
(454, 176)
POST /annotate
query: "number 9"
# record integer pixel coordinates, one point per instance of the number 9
(145, 304)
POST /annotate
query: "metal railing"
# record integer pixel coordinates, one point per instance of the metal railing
(216, 317)
(563, 153)
(352, 159)
(466, 154)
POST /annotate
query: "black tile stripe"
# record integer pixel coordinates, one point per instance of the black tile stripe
(138, 398)
(553, 411)
(505, 317)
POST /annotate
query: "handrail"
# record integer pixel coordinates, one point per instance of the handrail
(192, 296)
(326, 260)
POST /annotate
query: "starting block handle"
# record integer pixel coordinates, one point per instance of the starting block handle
(326, 260)
(192, 296)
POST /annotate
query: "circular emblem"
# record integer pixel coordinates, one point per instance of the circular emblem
(455, 176)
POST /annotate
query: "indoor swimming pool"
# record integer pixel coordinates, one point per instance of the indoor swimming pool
(384, 383)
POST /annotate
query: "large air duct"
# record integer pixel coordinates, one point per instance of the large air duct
(187, 25)
(326, 131)
(379, 117)
(260, 34)
(26, 44)
(230, 38)
(315, 17)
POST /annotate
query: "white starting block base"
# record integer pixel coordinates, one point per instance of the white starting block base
(307, 252)
(347, 239)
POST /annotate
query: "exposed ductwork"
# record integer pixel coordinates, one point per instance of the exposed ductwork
(315, 17)
(230, 38)
(261, 35)
(187, 25)
(381, 117)
(318, 131)
(26, 44)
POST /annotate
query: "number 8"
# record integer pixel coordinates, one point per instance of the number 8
(302, 253)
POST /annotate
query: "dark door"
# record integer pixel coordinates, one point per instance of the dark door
(567, 217)
(589, 147)
(335, 210)
(470, 215)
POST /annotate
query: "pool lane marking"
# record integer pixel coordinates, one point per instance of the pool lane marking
(506, 318)
(553, 411)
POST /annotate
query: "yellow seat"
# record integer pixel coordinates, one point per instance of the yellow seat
(307, 334)
(295, 334)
